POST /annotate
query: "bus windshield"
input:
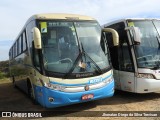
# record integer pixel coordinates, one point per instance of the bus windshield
(63, 43)
(148, 52)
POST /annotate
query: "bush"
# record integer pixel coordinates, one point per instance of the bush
(7, 75)
(2, 75)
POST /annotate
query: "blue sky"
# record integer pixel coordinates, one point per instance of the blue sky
(14, 13)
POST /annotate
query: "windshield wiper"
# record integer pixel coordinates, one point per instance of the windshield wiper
(74, 65)
(84, 52)
(77, 60)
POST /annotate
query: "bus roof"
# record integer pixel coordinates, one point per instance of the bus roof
(56, 16)
(60, 16)
(122, 20)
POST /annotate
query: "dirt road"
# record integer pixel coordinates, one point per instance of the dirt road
(12, 99)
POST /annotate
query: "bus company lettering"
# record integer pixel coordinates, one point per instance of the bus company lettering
(84, 75)
(97, 80)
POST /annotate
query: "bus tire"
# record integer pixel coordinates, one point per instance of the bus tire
(30, 92)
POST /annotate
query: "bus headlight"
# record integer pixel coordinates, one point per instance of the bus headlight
(54, 86)
(145, 75)
(108, 80)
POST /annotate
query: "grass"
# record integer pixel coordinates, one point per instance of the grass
(4, 78)
(2, 75)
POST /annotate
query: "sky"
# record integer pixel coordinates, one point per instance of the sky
(14, 13)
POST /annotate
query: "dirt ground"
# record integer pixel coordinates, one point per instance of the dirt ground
(12, 99)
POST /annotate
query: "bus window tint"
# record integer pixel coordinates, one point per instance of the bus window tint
(89, 35)
(24, 41)
(20, 45)
(61, 49)
(15, 48)
(148, 51)
(59, 46)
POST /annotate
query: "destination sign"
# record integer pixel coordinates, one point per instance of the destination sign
(55, 24)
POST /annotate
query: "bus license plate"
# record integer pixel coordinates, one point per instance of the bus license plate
(87, 96)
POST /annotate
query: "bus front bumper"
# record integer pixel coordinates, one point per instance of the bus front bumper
(147, 85)
(51, 98)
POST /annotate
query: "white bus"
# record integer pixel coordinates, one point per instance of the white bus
(136, 61)
(60, 59)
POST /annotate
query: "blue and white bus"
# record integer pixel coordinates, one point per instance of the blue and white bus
(61, 59)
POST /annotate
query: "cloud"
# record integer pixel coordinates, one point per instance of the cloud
(14, 14)
(112, 10)
(17, 12)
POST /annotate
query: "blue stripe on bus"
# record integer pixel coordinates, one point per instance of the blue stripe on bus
(79, 84)
(64, 98)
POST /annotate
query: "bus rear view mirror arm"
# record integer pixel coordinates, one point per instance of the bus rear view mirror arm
(135, 33)
(114, 34)
(37, 38)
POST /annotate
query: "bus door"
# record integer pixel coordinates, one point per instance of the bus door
(117, 79)
(114, 61)
(122, 62)
(123, 71)
(125, 68)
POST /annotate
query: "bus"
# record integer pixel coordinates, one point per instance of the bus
(61, 59)
(136, 61)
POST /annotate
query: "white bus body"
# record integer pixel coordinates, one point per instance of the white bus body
(136, 61)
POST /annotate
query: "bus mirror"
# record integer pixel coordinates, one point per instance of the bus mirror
(135, 33)
(37, 38)
(114, 34)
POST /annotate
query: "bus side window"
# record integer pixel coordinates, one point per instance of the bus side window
(24, 44)
(13, 51)
(20, 45)
(15, 48)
